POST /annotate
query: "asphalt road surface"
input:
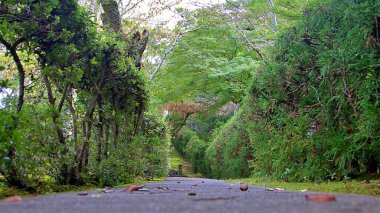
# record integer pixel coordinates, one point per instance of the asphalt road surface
(191, 195)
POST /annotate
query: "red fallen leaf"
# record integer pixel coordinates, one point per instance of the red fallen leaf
(13, 199)
(243, 187)
(82, 193)
(133, 188)
(320, 198)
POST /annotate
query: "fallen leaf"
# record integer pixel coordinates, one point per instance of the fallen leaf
(320, 198)
(192, 194)
(365, 182)
(133, 188)
(178, 182)
(203, 182)
(13, 199)
(195, 184)
(243, 187)
(303, 190)
(82, 193)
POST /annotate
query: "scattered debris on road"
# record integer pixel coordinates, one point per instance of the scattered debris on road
(243, 187)
(133, 188)
(143, 190)
(83, 193)
(274, 189)
(320, 198)
(13, 199)
(163, 187)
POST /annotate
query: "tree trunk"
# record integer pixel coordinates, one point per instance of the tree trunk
(106, 142)
(88, 119)
(64, 170)
(21, 74)
(87, 150)
(183, 123)
(100, 131)
(83, 157)
(20, 68)
(111, 17)
(115, 135)
(12, 176)
(75, 126)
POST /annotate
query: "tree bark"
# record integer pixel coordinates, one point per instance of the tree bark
(183, 123)
(106, 142)
(20, 68)
(64, 169)
(137, 47)
(111, 17)
(115, 135)
(100, 131)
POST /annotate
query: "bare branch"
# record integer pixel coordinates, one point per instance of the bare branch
(167, 52)
(21, 71)
(63, 98)
(170, 49)
(241, 31)
(130, 7)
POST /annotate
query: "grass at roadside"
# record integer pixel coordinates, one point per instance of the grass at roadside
(6, 191)
(350, 186)
(51, 188)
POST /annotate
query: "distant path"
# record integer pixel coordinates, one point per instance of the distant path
(191, 195)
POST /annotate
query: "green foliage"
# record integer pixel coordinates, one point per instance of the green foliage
(194, 151)
(145, 155)
(312, 111)
(83, 114)
(313, 117)
(229, 151)
(180, 142)
(188, 144)
(200, 66)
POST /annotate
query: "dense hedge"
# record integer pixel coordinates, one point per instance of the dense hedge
(189, 145)
(313, 111)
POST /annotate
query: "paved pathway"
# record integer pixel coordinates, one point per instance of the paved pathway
(190, 195)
